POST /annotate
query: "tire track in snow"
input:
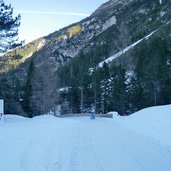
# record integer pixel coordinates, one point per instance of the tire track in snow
(45, 148)
(87, 158)
(99, 165)
(73, 163)
(12, 141)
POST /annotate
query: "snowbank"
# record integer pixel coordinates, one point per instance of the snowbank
(153, 122)
(13, 118)
(113, 113)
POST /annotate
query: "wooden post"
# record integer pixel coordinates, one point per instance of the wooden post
(1, 110)
(82, 98)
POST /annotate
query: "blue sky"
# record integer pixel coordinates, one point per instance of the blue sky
(42, 17)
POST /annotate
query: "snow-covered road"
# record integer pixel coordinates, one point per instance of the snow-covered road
(47, 143)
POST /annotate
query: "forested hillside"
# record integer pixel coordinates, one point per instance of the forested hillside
(113, 86)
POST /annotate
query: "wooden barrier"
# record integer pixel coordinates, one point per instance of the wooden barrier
(86, 114)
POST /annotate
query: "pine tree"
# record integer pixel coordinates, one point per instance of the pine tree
(152, 72)
(28, 90)
(8, 28)
(104, 88)
(119, 89)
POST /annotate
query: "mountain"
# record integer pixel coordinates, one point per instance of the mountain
(116, 59)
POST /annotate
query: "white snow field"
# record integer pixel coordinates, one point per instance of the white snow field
(140, 142)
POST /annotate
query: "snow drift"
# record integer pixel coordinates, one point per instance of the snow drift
(153, 122)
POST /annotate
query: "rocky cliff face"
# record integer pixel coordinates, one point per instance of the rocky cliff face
(114, 26)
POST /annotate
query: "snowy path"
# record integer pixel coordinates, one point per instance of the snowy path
(78, 144)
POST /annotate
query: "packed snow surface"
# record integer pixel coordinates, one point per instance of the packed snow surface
(140, 142)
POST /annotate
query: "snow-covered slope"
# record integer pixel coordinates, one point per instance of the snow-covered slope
(111, 58)
(154, 123)
(46, 143)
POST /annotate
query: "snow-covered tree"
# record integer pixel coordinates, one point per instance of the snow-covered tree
(8, 28)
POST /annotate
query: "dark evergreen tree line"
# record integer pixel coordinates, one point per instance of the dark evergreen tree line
(153, 72)
(113, 88)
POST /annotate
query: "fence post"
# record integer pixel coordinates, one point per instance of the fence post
(1, 110)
